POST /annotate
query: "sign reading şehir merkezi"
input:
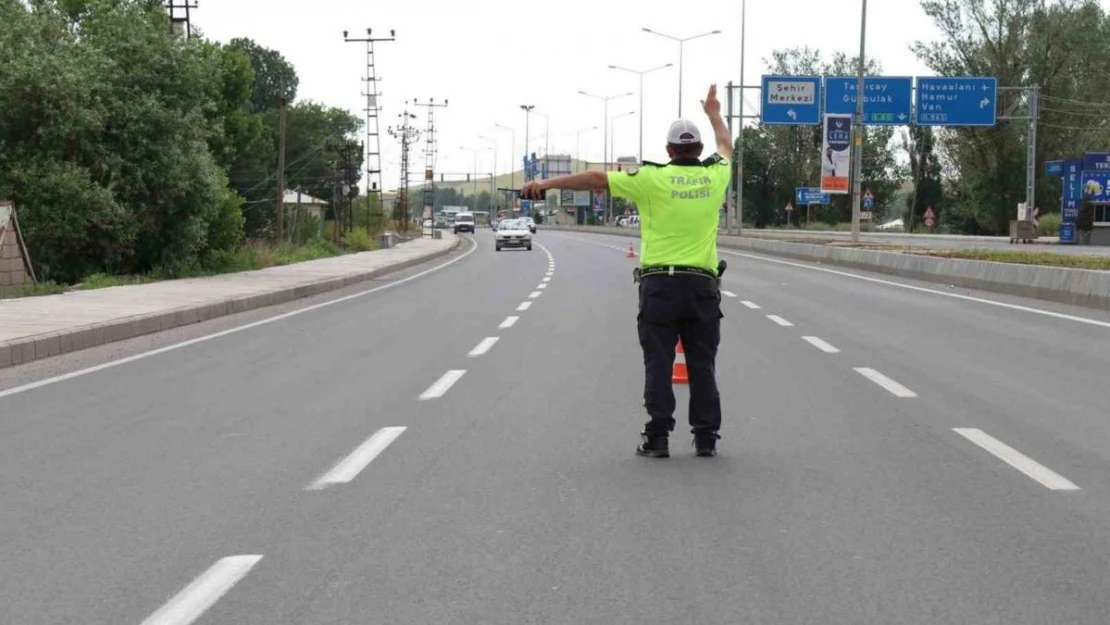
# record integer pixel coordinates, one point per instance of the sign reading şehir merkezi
(887, 100)
(959, 101)
(791, 100)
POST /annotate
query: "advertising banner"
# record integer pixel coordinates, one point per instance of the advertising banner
(836, 154)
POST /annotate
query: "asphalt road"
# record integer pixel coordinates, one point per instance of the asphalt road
(956, 242)
(925, 456)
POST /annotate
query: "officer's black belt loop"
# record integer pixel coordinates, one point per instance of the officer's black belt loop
(672, 270)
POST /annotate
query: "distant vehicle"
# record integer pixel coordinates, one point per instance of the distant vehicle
(493, 224)
(531, 224)
(464, 222)
(513, 233)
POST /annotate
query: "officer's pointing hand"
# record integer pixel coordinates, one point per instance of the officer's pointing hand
(532, 191)
(711, 105)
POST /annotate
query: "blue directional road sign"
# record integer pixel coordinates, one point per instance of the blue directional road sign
(791, 101)
(1067, 232)
(1053, 169)
(810, 195)
(960, 101)
(887, 100)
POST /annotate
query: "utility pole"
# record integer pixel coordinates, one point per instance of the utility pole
(641, 75)
(527, 108)
(406, 134)
(430, 153)
(605, 131)
(180, 16)
(280, 209)
(857, 130)
(373, 156)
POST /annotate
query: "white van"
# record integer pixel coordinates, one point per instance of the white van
(464, 222)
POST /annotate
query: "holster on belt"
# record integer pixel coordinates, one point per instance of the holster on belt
(636, 275)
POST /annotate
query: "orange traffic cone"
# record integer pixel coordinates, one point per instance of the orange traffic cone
(631, 252)
(678, 373)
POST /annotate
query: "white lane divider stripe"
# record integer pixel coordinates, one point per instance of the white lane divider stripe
(524, 306)
(349, 468)
(541, 286)
(443, 384)
(547, 279)
(508, 322)
(1031, 468)
(779, 320)
(729, 293)
(895, 388)
(751, 305)
(534, 294)
(821, 345)
(483, 347)
(189, 604)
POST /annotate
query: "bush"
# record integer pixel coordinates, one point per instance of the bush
(359, 241)
(1049, 225)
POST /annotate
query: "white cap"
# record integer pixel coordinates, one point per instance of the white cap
(683, 132)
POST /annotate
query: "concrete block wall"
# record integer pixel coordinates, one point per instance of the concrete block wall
(12, 270)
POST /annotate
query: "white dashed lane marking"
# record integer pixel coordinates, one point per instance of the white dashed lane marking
(547, 278)
(535, 294)
(508, 322)
(728, 293)
(189, 604)
(349, 468)
(1031, 468)
(751, 305)
(483, 347)
(779, 320)
(524, 306)
(821, 345)
(443, 384)
(895, 388)
(541, 286)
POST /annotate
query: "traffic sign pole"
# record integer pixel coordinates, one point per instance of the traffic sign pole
(857, 166)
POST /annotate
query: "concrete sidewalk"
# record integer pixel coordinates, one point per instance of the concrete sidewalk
(39, 327)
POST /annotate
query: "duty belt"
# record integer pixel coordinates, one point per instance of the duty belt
(671, 270)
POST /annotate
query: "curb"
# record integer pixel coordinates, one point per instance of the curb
(1081, 287)
(41, 346)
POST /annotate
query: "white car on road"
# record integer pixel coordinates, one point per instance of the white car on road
(513, 233)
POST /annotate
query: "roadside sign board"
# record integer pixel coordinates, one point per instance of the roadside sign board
(865, 215)
(1096, 161)
(887, 100)
(810, 195)
(791, 100)
(1073, 190)
(1096, 186)
(868, 199)
(1053, 169)
(960, 101)
(1067, 232)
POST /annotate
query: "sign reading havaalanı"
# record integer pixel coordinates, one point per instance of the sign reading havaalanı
(836, 153)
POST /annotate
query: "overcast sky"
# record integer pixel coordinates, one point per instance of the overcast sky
(489, 57)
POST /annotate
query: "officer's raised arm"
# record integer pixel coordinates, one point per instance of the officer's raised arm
(584, 181)
(721, 134)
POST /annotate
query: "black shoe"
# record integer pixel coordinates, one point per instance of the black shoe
(653, 447)
(705, 445)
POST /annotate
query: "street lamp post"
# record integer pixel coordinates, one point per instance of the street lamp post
(641, 74)
(512, 156)
(493, 175)
(474, 192)
(546, 131)
(613, 146)
(578, 145)
(681, 41)
(605, 132)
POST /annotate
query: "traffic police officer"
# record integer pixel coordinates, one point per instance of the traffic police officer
(679, 275)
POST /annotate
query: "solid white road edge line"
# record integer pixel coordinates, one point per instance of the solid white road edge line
(751, 305)
(524, 306)
(893, 387)
(201, 339)
(483, 347)
(508, 322)
(443, 384)
(821, 345)
(779, 320)
(1033, 469)
(920, 289)
(348, 468)
(189, 604)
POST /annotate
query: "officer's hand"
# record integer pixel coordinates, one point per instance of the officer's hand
(711, 104)
(532, 191)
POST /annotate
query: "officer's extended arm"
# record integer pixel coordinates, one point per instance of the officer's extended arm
(721, 134)
(584, 181)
